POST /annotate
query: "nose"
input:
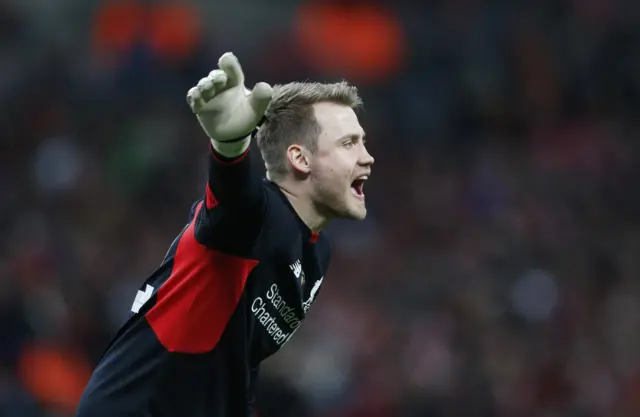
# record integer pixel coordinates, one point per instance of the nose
(366, 159)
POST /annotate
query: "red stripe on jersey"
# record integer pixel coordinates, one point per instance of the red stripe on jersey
(229, 161)
(211, 199)
(314, 237)
(196, 302)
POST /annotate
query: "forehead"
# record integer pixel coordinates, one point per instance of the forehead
(336, 121)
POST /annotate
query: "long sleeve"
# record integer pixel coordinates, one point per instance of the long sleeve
(234, 202)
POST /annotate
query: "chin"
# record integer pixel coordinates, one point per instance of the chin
(348, 212)
(359, 216)
(345, 207)
(355, 213)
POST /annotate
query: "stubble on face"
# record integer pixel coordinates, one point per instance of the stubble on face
(336, 163)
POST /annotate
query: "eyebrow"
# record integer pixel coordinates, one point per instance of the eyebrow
(352, 135)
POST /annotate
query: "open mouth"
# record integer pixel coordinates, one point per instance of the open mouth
(357, 187)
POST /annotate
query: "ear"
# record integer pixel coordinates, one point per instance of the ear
(299, 159)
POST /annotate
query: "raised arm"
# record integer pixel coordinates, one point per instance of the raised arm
(230, 216)
(228, 114)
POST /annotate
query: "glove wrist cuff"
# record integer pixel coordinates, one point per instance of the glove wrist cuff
(232, 148)
(235, 147)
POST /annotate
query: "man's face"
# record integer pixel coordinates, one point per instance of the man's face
(341, 163)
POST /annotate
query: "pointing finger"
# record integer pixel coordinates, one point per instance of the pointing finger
(231, 66)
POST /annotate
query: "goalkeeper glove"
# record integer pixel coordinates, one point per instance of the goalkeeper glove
(227, 111)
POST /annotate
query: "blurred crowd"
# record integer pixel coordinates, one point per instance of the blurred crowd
(496, 275)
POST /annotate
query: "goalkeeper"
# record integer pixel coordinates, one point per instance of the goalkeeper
(238, 280)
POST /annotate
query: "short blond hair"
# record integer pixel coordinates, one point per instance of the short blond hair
(290, 119)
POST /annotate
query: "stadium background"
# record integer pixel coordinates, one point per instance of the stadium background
(497, 274)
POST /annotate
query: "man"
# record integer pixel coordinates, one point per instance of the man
(237, 282)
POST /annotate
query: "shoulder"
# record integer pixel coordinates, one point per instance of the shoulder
(279, 212)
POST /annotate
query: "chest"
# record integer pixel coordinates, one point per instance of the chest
(281, 290)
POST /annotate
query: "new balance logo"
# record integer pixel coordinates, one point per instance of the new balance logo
(142, 298)
(296, 268)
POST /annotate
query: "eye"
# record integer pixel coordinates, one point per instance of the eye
(353, 141)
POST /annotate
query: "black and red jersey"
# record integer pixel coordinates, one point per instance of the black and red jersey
(233, 288)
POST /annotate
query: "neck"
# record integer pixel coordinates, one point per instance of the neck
(305, 208)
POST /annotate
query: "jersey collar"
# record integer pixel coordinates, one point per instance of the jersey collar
(308, 234)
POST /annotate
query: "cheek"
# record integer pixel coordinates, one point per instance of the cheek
(322, 168)
(333, 176)
(335, 166)
(332, 173)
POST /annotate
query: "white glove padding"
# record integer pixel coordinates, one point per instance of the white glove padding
(225, 109)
